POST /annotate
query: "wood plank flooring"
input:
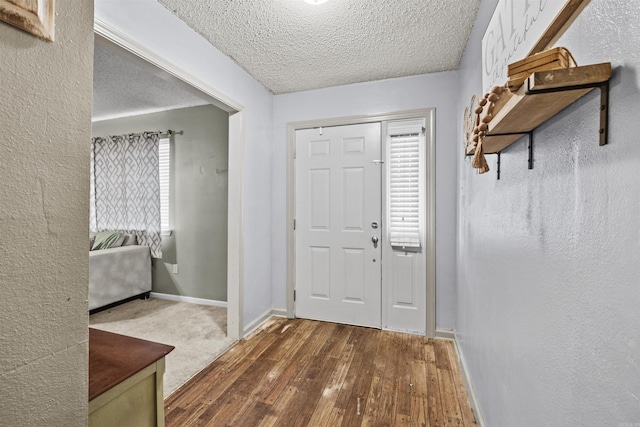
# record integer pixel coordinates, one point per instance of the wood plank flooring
(307, 373)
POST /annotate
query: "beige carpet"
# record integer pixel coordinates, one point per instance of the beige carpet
(198, 333)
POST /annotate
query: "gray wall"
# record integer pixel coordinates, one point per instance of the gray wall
(198, 198)
(45, 117)
(549, 258)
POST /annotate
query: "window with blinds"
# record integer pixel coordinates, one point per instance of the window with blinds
(164, 168)
(405, 183)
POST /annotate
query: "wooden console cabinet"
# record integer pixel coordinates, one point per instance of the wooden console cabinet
(125, 380)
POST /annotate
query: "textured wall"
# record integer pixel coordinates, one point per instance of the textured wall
(155, 28)
(548, 308)
(45, 117)
(386, 96)
(198, 199)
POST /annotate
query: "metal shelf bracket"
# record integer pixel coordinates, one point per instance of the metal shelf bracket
(604, 113)
(604, 104)
(530, 148)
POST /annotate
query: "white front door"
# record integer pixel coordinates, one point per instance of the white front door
(338, 218)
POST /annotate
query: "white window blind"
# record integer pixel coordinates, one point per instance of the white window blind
(405, 183)
(164, 169)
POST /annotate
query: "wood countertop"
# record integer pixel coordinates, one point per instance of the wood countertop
(113, 358)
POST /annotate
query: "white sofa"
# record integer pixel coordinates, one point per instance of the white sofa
(118, 274)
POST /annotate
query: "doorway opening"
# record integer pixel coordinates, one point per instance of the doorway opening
(127, 48)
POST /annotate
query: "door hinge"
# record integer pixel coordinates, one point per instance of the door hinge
(294, 154)
(294, 295)
(294, 225)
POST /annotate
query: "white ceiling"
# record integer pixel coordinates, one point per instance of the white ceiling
(290, 46)
(122, 88)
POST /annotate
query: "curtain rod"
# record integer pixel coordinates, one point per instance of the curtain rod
(165, 134)
(170, 132)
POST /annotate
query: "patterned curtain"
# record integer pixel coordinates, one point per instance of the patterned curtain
(125, 187)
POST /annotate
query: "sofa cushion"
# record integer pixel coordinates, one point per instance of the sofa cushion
(107, 239)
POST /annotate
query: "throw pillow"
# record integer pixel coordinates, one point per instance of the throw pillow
(92, 239)
(130, 240)
(107, 239)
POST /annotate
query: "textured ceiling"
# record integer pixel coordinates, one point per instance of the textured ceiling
(289, 45)
(121, 88)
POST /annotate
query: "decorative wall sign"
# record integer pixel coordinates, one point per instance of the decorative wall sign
(34, 16)
(521, 27)
(468, 122)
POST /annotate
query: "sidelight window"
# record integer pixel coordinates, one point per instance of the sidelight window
(405, 142)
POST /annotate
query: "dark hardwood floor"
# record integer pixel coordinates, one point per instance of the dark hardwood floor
(306, 373)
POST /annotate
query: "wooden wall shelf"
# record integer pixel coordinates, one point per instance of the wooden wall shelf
(543, 95)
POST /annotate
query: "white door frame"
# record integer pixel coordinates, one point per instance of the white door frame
(429, 115)
(111, 38)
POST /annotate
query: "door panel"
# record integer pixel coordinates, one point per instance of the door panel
(319, 277)
(403, 292)
(405, 309)
(320, 199)
(353, 199)
(338, 196)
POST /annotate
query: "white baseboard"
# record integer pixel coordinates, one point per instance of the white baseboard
(465, 375)
(272, 312)
(190, 300)
(279, 312)
(251, 327)
(445, 334)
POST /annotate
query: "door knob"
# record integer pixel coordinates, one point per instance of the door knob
(375, 239)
